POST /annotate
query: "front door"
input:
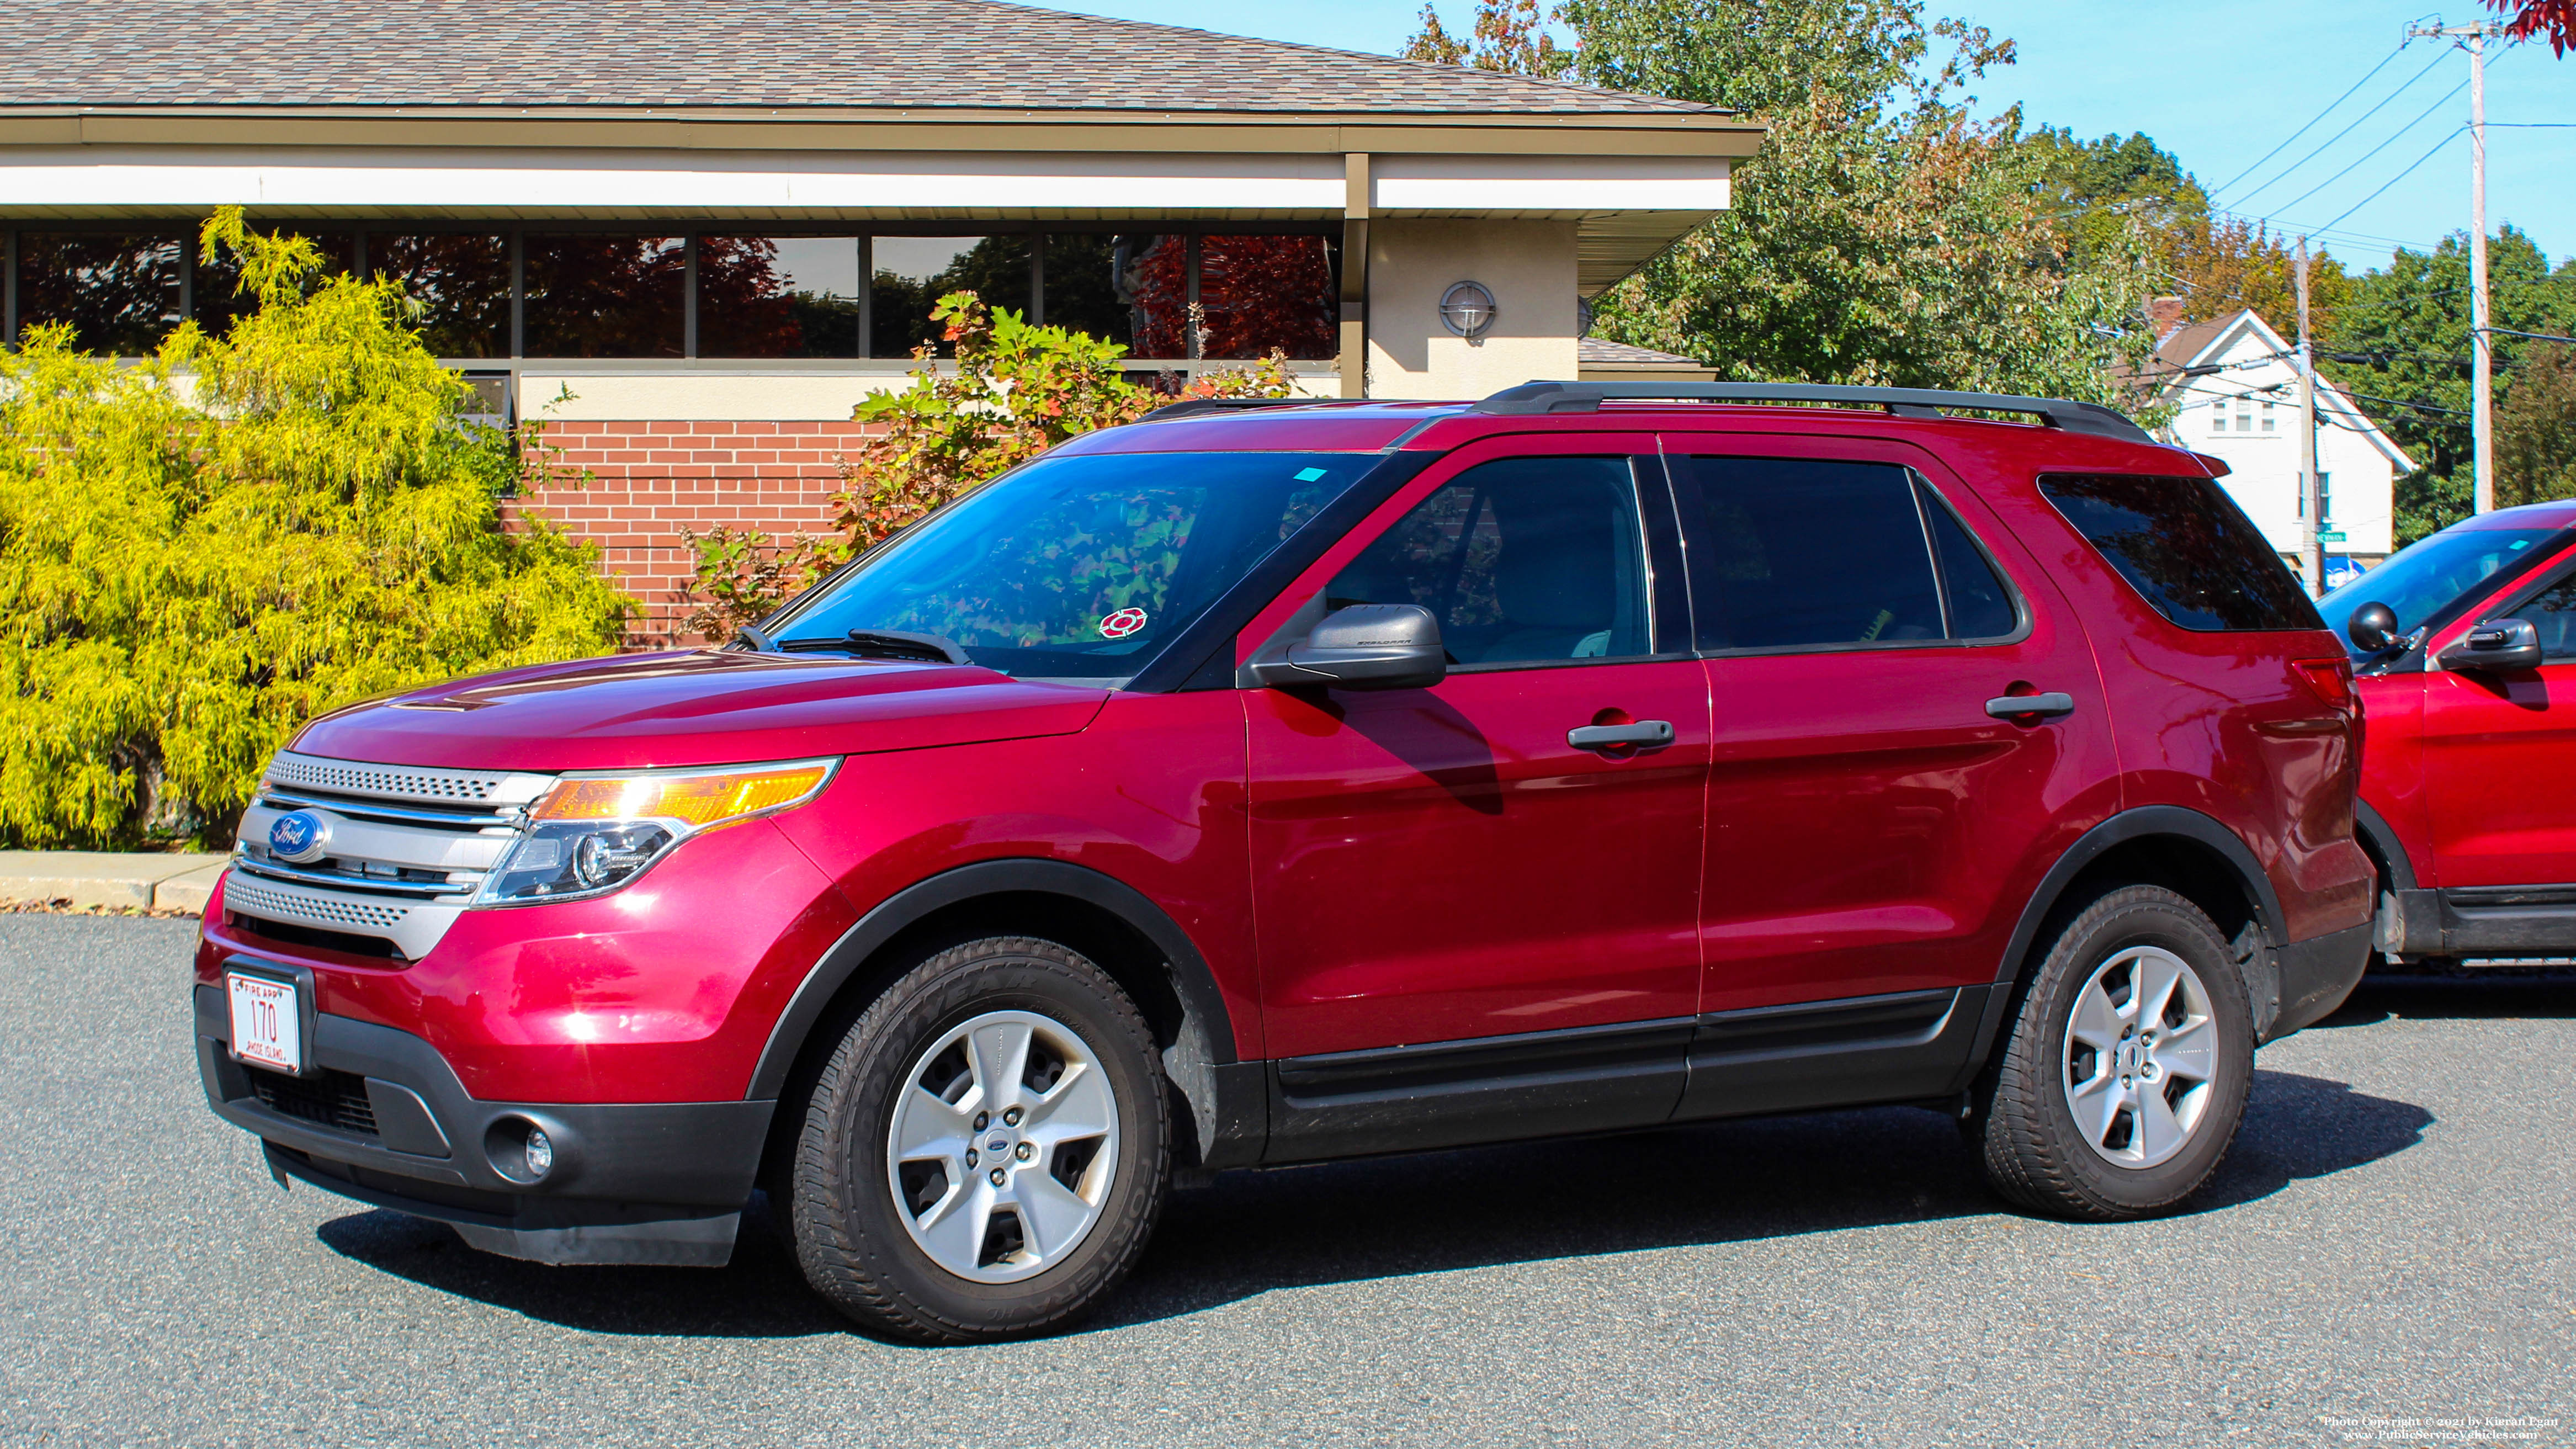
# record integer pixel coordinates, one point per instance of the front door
(1878, 816)
(2500, 753)
(1470, 926)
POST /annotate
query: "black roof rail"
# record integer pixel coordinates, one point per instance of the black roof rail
(1193, 406)
(1903, 402)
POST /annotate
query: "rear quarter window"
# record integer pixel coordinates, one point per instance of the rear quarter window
(2182, 543)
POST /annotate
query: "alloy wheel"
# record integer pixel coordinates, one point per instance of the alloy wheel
(1003, 1146)
(2141, 1052)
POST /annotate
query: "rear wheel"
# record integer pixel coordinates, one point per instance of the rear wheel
(2129, 1064)
(985, 1153)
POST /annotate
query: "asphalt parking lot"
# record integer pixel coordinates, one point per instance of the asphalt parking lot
(2385, 1258)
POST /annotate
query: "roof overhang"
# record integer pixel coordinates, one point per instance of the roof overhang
(1632, 183)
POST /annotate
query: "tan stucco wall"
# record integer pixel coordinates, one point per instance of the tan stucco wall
(1527, 265)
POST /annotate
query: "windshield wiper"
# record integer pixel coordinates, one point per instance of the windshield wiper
(750, 634)
(883, 644)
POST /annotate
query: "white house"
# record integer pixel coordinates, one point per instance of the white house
(2236, 382)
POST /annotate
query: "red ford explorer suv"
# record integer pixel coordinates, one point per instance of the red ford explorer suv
(2466, 647)
(1261, 785)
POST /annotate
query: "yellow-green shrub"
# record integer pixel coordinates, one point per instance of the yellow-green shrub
(200, 552)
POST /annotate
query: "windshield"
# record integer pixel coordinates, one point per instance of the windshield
(1078, 567)
(2423, 578)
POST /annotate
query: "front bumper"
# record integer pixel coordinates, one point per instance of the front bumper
(389, 1124)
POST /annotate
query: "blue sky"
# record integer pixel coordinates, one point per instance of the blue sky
(2217, 84)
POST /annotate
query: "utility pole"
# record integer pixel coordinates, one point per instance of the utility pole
(2481, 335)
(2312, 542)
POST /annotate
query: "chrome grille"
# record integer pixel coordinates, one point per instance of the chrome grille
(405, 782)
(407, 848)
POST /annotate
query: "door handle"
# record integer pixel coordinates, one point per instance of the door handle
(1604, 737)
(2030, 706)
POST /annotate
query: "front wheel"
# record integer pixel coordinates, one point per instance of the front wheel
(2128, 1067)
(986, 1152)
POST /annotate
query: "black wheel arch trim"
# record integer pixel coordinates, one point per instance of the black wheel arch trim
(1201, 1063)
(2133, 824)
(2385, 844)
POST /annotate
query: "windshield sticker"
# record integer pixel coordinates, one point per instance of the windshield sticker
(1309, 475)
(1122, 623)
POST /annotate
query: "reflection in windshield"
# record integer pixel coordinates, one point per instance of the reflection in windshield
(2425, 576)
(1079, 567)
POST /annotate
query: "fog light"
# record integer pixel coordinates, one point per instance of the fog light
(541, 1152)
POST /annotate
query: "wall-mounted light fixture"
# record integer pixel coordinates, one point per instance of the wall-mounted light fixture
(1467, 309)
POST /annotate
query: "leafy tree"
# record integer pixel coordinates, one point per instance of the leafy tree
(1884, 234)
(2401, 346)
(1510, 36)
(2535, 429)
(2531, 19)
(2216, 265)
(200, 553)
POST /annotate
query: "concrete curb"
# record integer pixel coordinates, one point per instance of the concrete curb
(115, 880)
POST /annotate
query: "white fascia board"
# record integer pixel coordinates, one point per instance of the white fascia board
(537, 182)
(1401, 185)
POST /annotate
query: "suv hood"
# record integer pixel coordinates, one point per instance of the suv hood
(696, 707)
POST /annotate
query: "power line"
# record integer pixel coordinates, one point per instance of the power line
(2303, 130)
(2400, 176)
(2375, 150)
(2346, 131)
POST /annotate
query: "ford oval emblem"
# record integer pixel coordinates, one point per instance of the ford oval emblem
(298, 836)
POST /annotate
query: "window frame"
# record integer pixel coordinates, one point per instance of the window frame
(1692, 509)
(1295, 607)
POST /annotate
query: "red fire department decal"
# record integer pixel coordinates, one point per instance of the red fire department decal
(1121, 624)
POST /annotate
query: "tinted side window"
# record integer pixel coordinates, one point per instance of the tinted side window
(1981, 606)
(2552, 611)
(1812, 553)
(1524, 561)
(2186, 548)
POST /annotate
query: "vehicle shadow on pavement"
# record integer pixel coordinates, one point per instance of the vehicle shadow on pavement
(2506, 993)
(1253, 1232)
(1679, 1186)
(760, 1294)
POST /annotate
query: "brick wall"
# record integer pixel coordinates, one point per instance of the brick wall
(653, 479)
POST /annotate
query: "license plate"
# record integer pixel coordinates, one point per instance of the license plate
(268, 1022)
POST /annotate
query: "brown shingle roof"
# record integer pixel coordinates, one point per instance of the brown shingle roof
(916, 54)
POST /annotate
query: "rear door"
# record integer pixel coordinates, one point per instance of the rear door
(1877, 820)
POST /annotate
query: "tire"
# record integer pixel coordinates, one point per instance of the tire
(2047, 1118)
(919, 1244)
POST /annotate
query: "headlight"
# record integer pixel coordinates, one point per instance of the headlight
(591, 834)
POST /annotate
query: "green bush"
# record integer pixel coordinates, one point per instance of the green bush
(201, 552)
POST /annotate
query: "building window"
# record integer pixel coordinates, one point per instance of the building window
(214, 287)
(119, 292)
(1266, 292)
(2325, 499)
(459, 282)
(1133, 290)
(2268, 423)
(909, 274)
(2218, 416)
(786, 296)
(550, 292)
(601, 294)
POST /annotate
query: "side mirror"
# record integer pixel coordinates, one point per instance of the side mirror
(1365, 646)
(2497, 644)
(2372, 627)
